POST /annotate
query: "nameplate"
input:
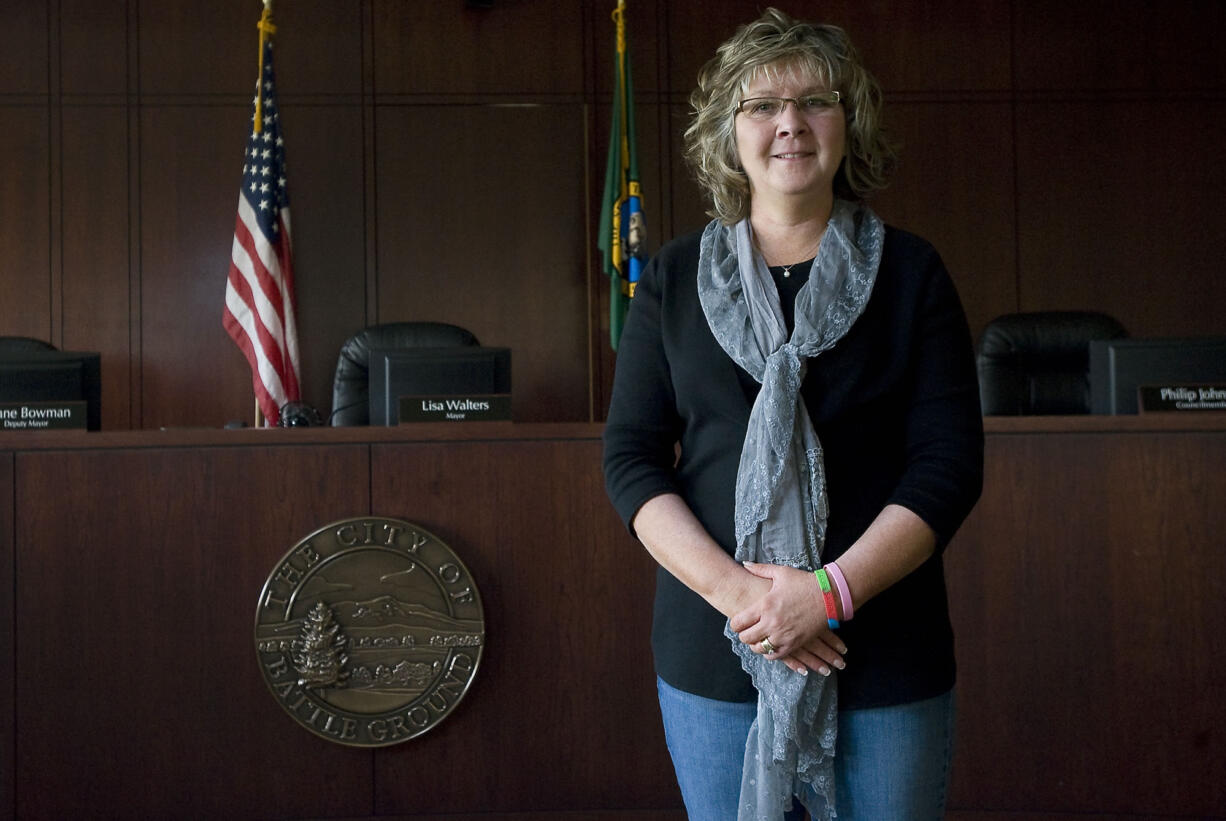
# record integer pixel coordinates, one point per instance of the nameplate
(67, 415)
(482, 408)
(1161, 398)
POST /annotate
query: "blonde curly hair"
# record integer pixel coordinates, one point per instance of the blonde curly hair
(777, 43)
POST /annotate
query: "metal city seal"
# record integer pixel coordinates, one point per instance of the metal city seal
(369, 631)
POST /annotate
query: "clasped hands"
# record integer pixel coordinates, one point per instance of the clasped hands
(790, 617)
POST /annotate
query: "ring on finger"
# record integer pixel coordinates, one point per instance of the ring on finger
(767, 647)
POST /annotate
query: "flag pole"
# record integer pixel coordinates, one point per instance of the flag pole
(266, 28)
(623, 138)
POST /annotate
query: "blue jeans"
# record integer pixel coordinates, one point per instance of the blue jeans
(891, 763)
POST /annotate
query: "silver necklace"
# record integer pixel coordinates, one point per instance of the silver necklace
(787, 269)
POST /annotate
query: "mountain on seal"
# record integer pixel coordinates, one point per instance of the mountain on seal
(388, 610)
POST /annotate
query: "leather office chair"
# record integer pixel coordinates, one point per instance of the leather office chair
(350, 394)
(1039, 363)
(23, 344)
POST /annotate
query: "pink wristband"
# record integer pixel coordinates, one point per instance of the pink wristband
(840, 582)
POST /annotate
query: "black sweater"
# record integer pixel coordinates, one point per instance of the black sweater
(895, 404)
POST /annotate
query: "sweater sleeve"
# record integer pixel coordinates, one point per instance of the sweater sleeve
(943, 474)
(643, 426)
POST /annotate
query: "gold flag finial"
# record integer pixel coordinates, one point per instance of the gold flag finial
(619, 17)
(266, 28)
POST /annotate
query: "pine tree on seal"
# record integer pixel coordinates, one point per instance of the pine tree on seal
(319, 651)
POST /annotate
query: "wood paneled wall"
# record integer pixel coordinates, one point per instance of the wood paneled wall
(445, 163)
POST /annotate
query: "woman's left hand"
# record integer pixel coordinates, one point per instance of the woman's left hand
(792, 618)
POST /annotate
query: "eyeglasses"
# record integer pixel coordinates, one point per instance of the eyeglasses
(768, 108)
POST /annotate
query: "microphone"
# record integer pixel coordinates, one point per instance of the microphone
(298, 415)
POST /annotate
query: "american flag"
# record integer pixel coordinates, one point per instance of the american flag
(259, 310)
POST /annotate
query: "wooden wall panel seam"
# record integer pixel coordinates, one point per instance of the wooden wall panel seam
(370, 222)
(1013, 80)
(55, 181)
(8, 625)
(136, 405)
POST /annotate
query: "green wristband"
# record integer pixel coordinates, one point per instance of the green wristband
(823, 581)
(832, 613)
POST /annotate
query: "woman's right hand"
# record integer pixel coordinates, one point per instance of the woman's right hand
(675, 538)
(789, 615)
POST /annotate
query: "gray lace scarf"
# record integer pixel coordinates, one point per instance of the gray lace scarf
(781, 511)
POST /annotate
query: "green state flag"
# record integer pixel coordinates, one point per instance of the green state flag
(623, 230)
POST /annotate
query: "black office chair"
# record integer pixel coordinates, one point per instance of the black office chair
(350, 393)
(1039, 363)
(23, 344)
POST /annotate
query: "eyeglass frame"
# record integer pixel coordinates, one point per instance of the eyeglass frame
(838, 98)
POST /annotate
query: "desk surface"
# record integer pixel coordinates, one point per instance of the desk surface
(1090, 423)
(210, 437)
(509, 431)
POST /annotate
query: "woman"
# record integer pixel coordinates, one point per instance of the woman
(796, 392)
